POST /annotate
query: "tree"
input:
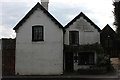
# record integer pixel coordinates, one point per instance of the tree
(117, 18)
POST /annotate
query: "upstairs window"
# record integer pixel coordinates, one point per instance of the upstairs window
(74, 37)
(37, 33)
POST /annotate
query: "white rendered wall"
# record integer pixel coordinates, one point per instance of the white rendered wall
(87, 33)
(39, 58)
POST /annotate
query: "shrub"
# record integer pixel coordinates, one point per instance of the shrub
(104, 61)
(93, 70)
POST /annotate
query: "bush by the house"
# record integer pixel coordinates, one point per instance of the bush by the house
(104, 61)
(93, 70)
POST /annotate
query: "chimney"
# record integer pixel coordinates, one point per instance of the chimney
(117, 0)
(44, 3)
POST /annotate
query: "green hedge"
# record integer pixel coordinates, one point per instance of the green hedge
(93, 70)
(88, 47)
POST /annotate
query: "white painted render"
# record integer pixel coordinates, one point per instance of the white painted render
(0, 58)
(87, 33)
(39, 58)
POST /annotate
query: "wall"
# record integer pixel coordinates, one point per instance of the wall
(39, 58)
(87, 33)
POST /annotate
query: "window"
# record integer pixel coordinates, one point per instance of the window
(37, 33)
(86, 58)
(74, 37)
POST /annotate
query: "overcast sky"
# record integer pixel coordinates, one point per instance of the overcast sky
(12, 11)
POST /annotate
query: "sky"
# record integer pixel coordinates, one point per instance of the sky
(12, 11)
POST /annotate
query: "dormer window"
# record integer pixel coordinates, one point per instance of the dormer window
(73, 37)
(37, 33)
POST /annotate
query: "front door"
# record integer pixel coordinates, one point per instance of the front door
(69, 62)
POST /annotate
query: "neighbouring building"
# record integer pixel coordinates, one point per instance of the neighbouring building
(44, 47)
(109, 41)
(8, 56)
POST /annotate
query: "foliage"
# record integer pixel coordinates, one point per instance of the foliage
(104, 61)
(103, 66)
(88, 47)
(93, 70)
(117, 18)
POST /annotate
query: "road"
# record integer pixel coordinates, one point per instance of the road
(61, 79)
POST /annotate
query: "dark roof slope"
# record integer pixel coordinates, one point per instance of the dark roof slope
(85, 17)
(38, 5)
(107, 29)
(107, 32)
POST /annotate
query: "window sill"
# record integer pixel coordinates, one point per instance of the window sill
(38, 41)
(74, 44)
(85, 64)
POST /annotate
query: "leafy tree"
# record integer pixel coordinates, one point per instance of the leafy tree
(117, 18)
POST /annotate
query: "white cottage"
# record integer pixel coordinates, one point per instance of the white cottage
(40, 39)
(80, 31)
(39, 43)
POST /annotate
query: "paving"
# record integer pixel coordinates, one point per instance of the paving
(66, 77)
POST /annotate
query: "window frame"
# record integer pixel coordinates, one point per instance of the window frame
(33, 37)
(86, 56)
(70, 41)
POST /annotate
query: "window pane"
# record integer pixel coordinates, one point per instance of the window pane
(86, 58)
(37, 33)
(74, 37)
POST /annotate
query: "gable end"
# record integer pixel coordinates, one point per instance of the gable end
(38, 5)
(86, 18)
(107, 28)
